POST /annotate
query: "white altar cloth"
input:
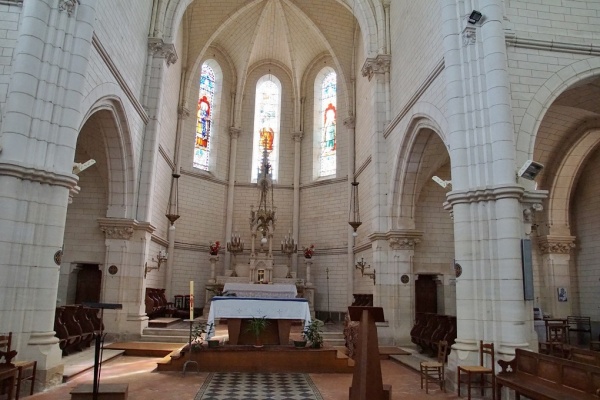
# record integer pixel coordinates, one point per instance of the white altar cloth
(275, 291)
(240, 307)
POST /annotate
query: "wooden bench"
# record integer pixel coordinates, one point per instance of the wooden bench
(539, 376)
(579, 325)
(584, 356)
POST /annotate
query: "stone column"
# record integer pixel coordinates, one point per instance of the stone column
(234, 134)
(486, 195)
(38, 135)
(349, 123)
(556, 256)
(396, 293)
(127, 242)
(378, 68)
(213, 260)
(296, 215)
(160, 56)
(308, 263)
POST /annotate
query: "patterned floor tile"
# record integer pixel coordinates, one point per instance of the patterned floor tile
(258, 386)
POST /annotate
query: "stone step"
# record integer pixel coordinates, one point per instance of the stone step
(166, 332)
(165, 339)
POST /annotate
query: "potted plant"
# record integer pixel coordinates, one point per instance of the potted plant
(312, 333)
(301, 343)
(212, 343)
(196, 342)
(257, 326)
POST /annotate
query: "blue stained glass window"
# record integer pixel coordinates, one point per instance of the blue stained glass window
(204, 118)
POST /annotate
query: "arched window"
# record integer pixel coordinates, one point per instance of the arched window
(325, 122)
(204, 117)
(267, 114)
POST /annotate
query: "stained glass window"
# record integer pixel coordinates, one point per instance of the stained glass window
(266, 124)
(204, 118)
(327, 159)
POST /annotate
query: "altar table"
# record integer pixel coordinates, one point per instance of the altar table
(235, 309)
(272, 291)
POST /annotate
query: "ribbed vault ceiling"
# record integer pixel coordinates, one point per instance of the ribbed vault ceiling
(291, 33)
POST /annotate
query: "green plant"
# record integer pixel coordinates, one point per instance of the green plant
(197, 331)
(312, 332)
(257, 325)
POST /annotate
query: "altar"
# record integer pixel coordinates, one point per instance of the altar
(236, 309)
(275, 291)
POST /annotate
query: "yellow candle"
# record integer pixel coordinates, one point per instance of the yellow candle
(191, 299)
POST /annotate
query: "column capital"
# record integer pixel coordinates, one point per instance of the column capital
(68, 6)
(160, 49)
(122, 228)
(404, 239)
(350, 122)
(377, 65)
(234, 132)
(297, 136)
(183, 112)
(550, 244)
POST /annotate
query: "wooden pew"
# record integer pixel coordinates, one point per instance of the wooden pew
(544, 377)
(584, 356)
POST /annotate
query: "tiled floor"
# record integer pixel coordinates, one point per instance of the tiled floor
(144, 384)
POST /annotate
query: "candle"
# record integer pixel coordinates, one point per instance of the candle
(191, 299)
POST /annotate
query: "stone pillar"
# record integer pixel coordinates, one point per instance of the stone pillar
(308, 263)
(37, 149)
(127, 243)
(556, 256)
(378, 68)
(213, 261)
(234, 134)
(349, 123)
(485, 196)
(160, 56)
(397, 284)
(296, 214)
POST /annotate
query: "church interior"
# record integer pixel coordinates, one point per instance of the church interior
(433, 159)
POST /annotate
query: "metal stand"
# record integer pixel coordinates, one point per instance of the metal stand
(99, 340)
(328, 320)
(189, 360)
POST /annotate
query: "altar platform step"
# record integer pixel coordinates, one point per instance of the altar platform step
(333, 338)
(77, 363)
(270, 358)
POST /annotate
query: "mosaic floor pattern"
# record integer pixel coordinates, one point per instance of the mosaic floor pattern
(258, 386)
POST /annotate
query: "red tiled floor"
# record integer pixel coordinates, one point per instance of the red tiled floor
(144, 384)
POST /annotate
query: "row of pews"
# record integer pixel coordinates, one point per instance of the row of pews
(430, 328)
(75, 326)
(156, 303)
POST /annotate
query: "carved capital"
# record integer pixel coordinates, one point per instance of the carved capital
(160, 49)
(121, 228)
(68, 6)
(377, 65)
(183, 112)
(469, 35)
(350, 122)
(556, 244)
(234, 132)
(403, 239)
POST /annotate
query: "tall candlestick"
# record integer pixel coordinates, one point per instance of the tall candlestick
(191, 299)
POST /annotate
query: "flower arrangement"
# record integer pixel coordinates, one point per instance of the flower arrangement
(309, 251)
(214, 248)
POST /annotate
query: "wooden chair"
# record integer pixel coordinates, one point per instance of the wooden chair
(469, 373)
(434, 371)
(26, 369)
(8, 379)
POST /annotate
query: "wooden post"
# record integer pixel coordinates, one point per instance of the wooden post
(367, 383)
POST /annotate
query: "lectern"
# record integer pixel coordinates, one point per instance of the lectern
(367, 383)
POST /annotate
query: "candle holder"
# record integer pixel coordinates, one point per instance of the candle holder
(289, 247)
(235, 246)
(161, 258)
